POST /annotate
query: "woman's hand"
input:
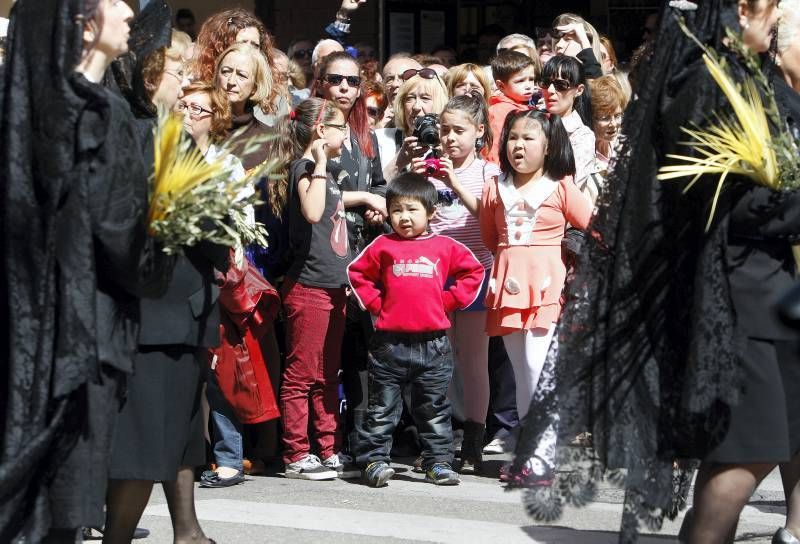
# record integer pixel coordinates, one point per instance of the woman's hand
(411, 148)
(377, 207)
(576, 32)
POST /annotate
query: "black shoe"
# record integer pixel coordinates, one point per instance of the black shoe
(782, 536)
(210, 478)
(138, 533)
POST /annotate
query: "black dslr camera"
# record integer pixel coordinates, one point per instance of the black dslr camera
(426, 129)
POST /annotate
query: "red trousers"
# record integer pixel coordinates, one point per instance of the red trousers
(310, 388)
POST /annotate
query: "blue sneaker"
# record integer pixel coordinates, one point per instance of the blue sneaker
(378, 473)
(442, 474)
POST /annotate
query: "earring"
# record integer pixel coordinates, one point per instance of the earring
(744, 23)
(479, 143)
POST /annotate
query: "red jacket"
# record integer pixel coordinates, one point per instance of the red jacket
(404, 282)
(249, 306)
(499, 107)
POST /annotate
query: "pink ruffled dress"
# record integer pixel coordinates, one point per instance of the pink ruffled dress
(524, 231)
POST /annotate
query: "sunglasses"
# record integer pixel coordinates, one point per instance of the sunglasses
(373, 112)
(560, 85)
(336, 79)
(303, 54)
(425, 73)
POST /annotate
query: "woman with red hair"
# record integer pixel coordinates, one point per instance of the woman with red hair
(222, 30)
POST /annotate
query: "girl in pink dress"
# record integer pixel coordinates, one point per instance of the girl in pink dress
(523, 216)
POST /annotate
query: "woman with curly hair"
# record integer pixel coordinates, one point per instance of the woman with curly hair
(222, 30)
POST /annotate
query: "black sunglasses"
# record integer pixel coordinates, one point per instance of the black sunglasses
(373, 112)
(560, 85)
(336, 79)
(425, 73)
(303, 53)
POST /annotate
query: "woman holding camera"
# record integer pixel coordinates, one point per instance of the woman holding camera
(421, 94)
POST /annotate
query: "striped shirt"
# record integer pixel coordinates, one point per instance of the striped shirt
(453, 219)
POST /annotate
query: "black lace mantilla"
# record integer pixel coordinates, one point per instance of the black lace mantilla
(646, 358)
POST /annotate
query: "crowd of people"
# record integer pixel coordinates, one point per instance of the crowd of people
(435, 229)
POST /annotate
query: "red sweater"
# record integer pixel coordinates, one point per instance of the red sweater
(402, 281)
(499, 107)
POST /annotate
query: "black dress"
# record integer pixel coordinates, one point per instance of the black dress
(160, 427)
(665, 321)
(73, 206)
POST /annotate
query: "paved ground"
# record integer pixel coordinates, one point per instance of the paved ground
(268, 509)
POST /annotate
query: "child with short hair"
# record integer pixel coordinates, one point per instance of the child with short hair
(400, 279)
(515, 77)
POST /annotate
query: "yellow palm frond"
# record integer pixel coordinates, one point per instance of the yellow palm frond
(740, 144)
(179, 167)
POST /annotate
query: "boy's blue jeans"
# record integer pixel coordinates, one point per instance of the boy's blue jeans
(424, 364)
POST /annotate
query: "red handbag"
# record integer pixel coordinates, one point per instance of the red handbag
(249, 305)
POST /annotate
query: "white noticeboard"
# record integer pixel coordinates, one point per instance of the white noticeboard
(401, 32)
(431, 30)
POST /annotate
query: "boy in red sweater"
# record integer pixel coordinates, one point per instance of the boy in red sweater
(515, 76)
(402, 280)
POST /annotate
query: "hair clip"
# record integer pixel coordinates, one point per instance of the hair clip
(683, 5)
(292, 115)
(230, 20)
(79, 19)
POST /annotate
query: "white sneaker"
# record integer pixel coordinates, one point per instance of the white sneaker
(494, 447)
(309, 468)
(501, 445)
(343, 465)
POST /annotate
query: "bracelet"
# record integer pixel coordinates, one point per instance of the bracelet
(319, 176)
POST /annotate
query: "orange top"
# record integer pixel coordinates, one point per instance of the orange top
(524, 231)
(499, 107)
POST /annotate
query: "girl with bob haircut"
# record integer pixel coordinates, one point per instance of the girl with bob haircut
(523, 216)
(222, 30)
(579, 39)
(468, 78)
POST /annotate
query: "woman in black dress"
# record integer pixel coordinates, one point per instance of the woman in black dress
(159, 435)
(669, 348)
(73, 209)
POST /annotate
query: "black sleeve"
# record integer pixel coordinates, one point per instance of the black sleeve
(117, 199)
(591, 67)
(761, 213)
(378, 181)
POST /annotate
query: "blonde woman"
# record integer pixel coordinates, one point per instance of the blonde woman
(243, 74)
(578, 38)
(421, 93)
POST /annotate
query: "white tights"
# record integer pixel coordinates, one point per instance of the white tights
(527, 351)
